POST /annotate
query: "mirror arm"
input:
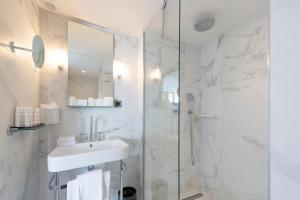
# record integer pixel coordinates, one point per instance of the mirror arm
(13, 48)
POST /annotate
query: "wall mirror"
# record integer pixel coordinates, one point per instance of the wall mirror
(38, 51)
(90, 71)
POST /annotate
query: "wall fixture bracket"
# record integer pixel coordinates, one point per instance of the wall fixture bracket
(12, 47)
(11, 129)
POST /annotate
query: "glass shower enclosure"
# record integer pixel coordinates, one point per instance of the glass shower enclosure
(161, 105)
(206, 101)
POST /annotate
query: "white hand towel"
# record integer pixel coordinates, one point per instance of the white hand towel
(106, 185)
(108, 101)
(72, 190)
(91, 185)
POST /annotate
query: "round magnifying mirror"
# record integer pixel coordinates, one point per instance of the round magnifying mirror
(38, 51)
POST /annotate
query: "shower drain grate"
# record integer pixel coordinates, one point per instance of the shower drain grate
(194, 197)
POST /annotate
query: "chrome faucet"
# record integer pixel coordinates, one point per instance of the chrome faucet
(100, 135)
(91, 128)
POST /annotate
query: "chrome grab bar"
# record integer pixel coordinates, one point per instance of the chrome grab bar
(206, 116)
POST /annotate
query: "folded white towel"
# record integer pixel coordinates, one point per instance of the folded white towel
(108, 101)
(81, 102)
(91, 101)
(66, 140)
(72, 101)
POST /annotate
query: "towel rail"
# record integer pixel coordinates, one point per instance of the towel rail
(56, 187)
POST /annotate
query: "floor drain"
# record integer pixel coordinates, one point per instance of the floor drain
(194, 197)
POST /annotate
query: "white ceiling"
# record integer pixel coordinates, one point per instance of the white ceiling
(127, 16)
(227, 13)
(133, 16)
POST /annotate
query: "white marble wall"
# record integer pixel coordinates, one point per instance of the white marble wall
(124, 122)
(18, 87)
(285, 98)
(232, 150)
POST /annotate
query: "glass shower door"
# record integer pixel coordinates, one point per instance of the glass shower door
(161, 105)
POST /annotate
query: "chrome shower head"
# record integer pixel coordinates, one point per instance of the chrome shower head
(204, 24)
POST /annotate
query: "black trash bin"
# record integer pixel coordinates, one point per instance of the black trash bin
(129, 193)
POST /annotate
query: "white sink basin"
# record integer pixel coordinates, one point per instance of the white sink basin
(85, 154)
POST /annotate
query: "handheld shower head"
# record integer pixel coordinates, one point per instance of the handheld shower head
(191, 99)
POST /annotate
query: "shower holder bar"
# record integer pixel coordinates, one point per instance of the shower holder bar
(206, 116)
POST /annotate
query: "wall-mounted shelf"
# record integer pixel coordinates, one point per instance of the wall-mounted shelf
(74, 106)
(11, 130)
(117, 104)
